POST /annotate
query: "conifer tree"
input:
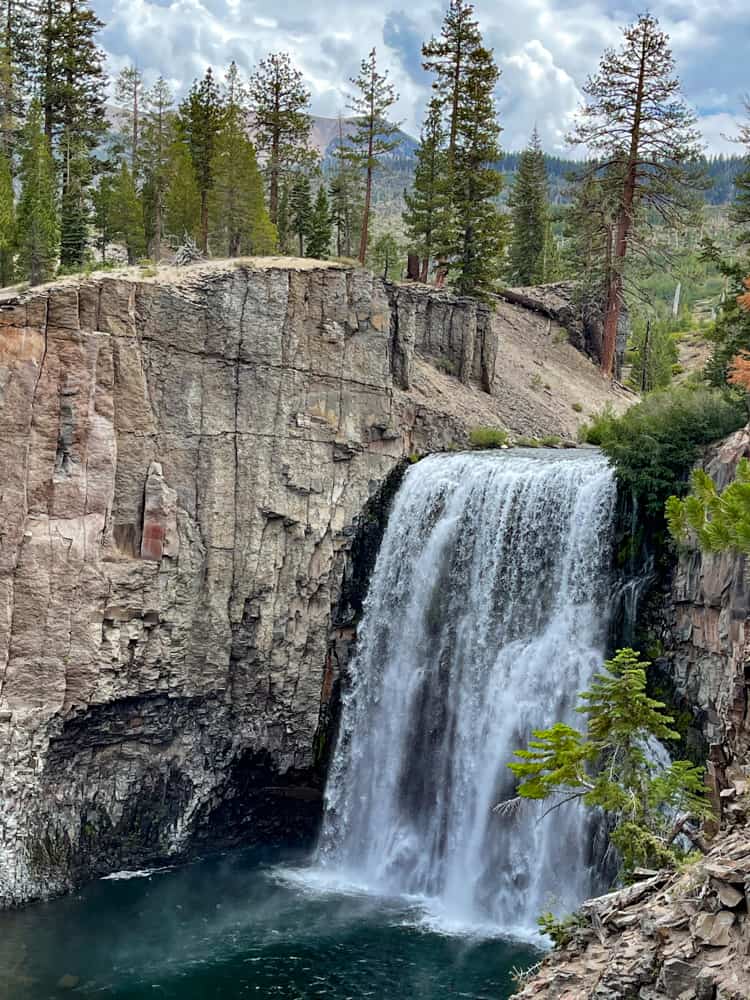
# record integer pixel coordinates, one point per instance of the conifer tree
(428, 212)
(300, 205)
(321, 230)
(476, 183)
(7, 222)
(345, 198)
(284, 225)
(465, 78)
(240, 221)
(529, 217)
(386, 256)
(279, 104)
(102, 198)
(182, 199)
(156, 140)
(374, 135)
(17, 25)
(38, 228)
(636, 120)
(200, 121)
(72, 82)
(129, 94)
(127, 214)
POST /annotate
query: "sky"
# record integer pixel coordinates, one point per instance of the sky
(545, 49)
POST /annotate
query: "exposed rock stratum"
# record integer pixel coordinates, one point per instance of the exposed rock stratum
(184, 461)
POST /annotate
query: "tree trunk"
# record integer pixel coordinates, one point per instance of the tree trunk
(273, 181)
(157, 229)
(365, 217)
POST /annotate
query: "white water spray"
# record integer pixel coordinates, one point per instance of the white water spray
(486, 615)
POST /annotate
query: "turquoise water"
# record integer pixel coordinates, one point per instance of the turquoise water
(243, 925)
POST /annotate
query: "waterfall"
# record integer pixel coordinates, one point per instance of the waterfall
(486, 615)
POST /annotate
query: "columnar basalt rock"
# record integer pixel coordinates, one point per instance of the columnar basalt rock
(183, 461)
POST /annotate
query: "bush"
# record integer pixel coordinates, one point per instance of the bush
(578, 407)
(488, 437)
(655, 443)
(527, 442)
(550, 441)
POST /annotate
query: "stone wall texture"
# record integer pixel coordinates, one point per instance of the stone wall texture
(183, 461)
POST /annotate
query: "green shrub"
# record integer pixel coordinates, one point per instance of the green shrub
(445, 365)
(578, 407)
(488, 437)
(550, 441)
(655, 443)
(527, 442)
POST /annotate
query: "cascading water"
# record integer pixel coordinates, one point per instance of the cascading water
(486, 615)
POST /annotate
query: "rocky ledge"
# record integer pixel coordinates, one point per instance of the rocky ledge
(184, 463)
(671, 936)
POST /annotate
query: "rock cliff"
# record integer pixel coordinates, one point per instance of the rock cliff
(184, 461)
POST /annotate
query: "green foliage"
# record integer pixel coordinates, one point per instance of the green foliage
(182, 199)
(428, 215)
(560, 931)
(529, 217)
(719, 521)
(300, 209)
(38, 226)
(607, 766)
(386, 256)
(279, 104)
(550, 441)
(655, 443)
(238, 220)
(321, 229)
(156, 141)
(7, 222)
(374, 135)
(126, 214)
(200, 120)
(488, 437)
(654, 354)
(527, 442)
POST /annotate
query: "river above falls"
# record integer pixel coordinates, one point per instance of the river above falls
(242, 925)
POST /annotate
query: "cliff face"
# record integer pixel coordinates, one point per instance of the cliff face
(183, 463)
(706, 635)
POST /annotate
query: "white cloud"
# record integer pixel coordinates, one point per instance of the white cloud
(545, 49)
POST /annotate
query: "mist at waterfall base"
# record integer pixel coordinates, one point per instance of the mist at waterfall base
(486, 614)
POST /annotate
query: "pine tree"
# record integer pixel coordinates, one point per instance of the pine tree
(182, 199)
(240, 221)
(279, 114)
(300, 205)
(477, 184)
(529, 217)
(321, 229)
(102, 218)
(428, 214)
(740, 210)
(156, 140)
(38, 228)
(345, 198)
(549, 266)
(386, 256)
(374, 135)
(72, 82)
(129, 94)
(17, 25)
(465, 78)
(127, 214)
(7, 222)
(636, 117)
(200, 120)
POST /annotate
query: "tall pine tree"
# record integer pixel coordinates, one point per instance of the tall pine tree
(200, 121)
(129, 95)
(345, 191)
(428, 214)
(182, 199)
(300, 209)
(374, 135)
(126, 214)
(239, 220)
(38, 229)
(636, 119)
(320, 230)
(17, 28)
(529, 217)
(157, 137)
(279, 104)
(71, 84)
